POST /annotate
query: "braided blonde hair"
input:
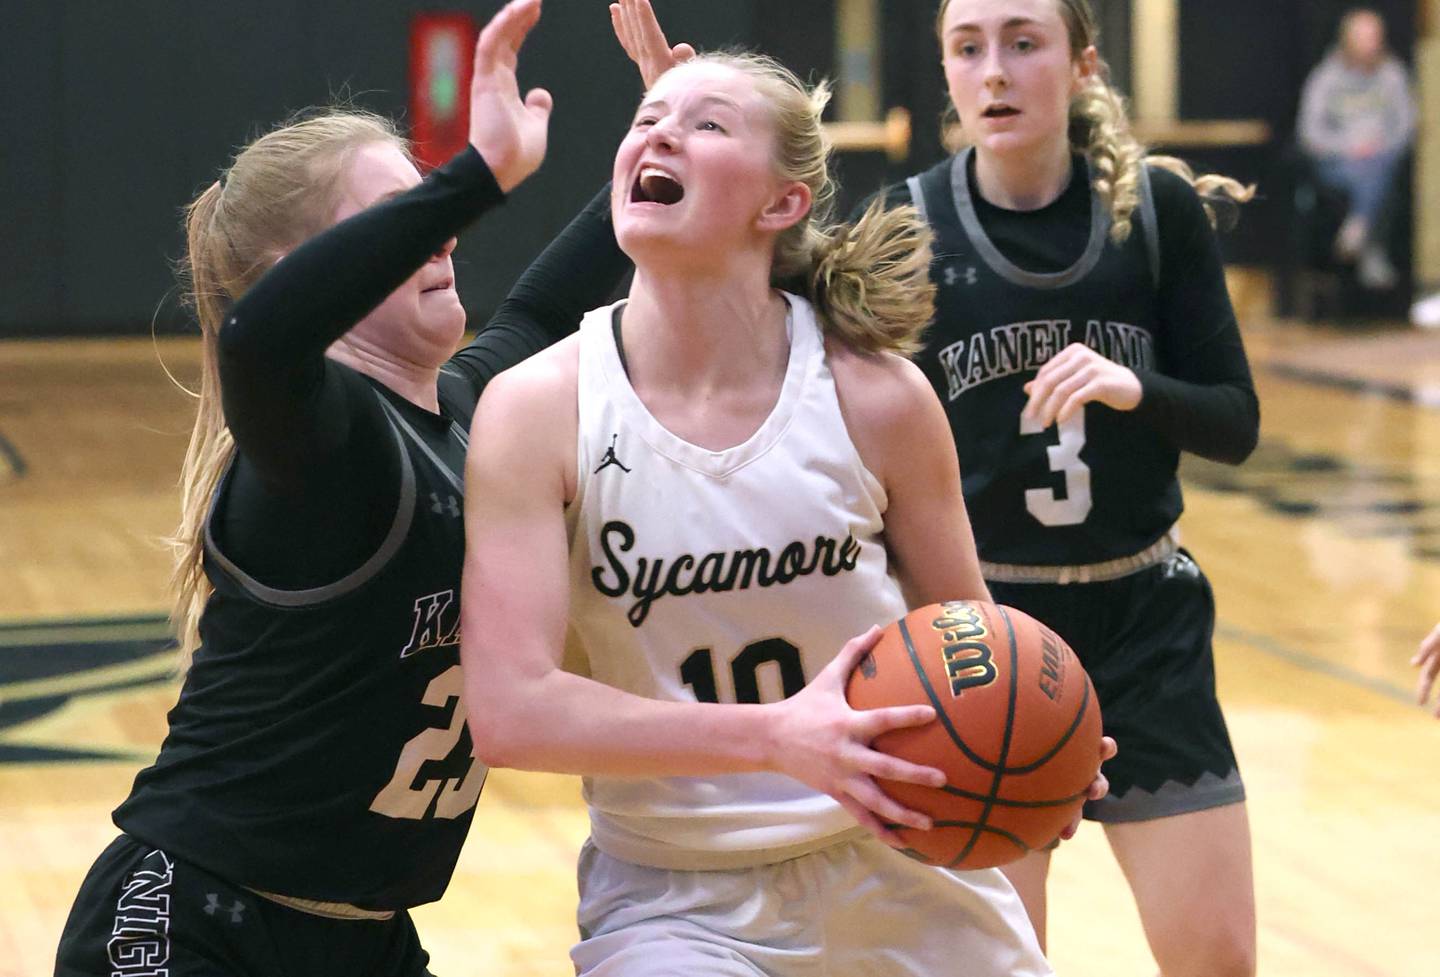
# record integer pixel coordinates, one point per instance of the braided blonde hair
(1100, 129)
(280, 189)
(870, 282)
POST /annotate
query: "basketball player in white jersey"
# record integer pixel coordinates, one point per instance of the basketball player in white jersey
(716, 484)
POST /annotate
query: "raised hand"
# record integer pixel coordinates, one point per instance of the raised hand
(826, 744)
(639, 33)
(1076, 376)
(510, 133)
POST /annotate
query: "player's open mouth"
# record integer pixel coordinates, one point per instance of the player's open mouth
(1000, 111)
(655, 186)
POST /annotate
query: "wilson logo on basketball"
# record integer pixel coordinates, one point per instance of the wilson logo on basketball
(1018, 749)
(968, 662)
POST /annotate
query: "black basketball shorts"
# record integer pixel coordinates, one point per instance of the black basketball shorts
(142, 912)
(1145, 640)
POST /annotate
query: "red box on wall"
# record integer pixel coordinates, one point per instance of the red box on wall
(442, 56)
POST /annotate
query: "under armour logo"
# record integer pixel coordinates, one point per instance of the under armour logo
(952, 276)
(610, 458)
(451, 505)
(1181, 565)
(212, 906)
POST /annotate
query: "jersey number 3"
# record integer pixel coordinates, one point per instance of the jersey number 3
(1044, 504)
(432, 771)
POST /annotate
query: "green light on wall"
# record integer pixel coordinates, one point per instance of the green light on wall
(443, 66)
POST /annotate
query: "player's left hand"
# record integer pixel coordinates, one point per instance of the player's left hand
(1098, 788)
(1427, 659)
(639, 33)
(1076, 376)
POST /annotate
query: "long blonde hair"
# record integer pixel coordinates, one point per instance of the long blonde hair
(279, 190)
(1100, 129)
(870, 282)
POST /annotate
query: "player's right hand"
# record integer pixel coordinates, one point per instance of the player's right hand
(510, 133)
(822, 742)
(1074, 377)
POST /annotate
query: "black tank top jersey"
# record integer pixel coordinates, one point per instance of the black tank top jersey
(319, 748)
(269, 781)
(1106, 485)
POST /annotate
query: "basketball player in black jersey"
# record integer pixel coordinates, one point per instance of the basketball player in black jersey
(1083, 339)
(318, 777)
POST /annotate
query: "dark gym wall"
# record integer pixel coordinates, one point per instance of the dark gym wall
(116, 114)
(29, 183)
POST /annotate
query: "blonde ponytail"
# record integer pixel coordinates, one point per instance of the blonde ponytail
(210, 445)
(1100, 129)
(871, 281)
(279, 190)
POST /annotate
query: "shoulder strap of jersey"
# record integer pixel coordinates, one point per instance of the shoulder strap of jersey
(917, 196)
(398, 421)
(1149, 227)
(935, 180)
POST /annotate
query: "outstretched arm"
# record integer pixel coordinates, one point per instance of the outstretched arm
(290, 412)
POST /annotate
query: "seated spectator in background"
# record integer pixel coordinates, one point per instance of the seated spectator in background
(1357, 118)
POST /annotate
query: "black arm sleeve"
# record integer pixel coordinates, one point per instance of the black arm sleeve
(317, 475)
(1202, 397)
(287, 408)
(579, 271)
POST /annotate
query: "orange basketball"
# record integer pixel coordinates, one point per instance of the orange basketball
(1017, 730)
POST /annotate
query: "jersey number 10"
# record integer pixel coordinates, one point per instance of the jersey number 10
(698, 671)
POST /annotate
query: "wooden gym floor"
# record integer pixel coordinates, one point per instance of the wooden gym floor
(1324, 551)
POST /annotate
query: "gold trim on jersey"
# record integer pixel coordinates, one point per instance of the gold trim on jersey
(1158, 552)
(330, 910)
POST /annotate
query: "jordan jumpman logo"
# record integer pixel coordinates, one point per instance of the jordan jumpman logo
(610, 458)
